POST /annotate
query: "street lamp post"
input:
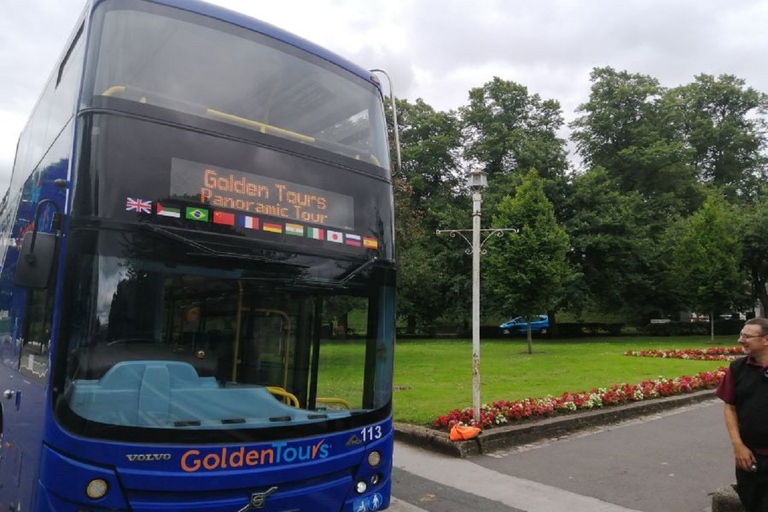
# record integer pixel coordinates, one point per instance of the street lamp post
(478, 181)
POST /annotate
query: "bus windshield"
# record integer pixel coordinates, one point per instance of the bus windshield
(185, 344)
(155, 56)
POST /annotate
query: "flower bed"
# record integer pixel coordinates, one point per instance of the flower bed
(701, 354)
(503, 411)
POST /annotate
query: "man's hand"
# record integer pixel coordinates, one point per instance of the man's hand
(743, 456)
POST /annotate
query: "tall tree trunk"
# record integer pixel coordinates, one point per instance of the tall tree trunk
(552, 331)
(761, 290)
(410, 326)
(530, 337)
(341, 326)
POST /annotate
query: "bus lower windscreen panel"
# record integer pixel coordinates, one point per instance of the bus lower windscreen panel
(172, 345)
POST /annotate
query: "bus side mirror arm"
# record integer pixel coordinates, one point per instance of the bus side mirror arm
(34, 267)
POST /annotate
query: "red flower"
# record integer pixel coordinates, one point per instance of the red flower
(569, 401)
(703, 354)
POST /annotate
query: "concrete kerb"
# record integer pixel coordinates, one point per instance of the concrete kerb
(725, 499)
(529, 431)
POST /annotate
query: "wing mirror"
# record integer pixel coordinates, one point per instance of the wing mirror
(37, 258)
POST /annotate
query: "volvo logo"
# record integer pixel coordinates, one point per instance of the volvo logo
(147, 457)
(258, 500)
(354, 441)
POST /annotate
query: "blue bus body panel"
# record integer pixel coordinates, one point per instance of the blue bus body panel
(23, 418)
(24, 413)
(313, 474)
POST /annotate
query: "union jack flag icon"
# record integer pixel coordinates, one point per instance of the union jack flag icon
(138, 205)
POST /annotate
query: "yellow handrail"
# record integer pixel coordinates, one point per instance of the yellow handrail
(114, 89)
(288, 397)
(263, 127)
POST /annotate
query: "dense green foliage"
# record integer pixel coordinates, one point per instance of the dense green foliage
(664, 212)
(527, 270)
(705, 260)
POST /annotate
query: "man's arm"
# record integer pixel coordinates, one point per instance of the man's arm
(743, 456)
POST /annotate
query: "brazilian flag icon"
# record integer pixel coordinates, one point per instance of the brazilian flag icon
(193, 213)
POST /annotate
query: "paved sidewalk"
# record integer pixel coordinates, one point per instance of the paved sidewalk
(488, 484)
(664, 462)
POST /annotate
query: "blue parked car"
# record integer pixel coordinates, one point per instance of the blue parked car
(519, 325)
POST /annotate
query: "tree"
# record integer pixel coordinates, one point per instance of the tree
(753, 236)
(427, 198)
(626, 135)
(612, 250)
(338, 309)
(619, 116)
(623, 129)
(722, 121)
(706, 259)
(528, 269)
(508, 132)
(430, 143)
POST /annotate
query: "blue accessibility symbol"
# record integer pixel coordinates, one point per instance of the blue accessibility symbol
(360, 506)
(375, 502)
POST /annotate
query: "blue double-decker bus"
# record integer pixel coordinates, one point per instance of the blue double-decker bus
(198, 281)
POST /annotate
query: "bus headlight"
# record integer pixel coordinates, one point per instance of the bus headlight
(374, 459)
(96, 489)
(361, 487)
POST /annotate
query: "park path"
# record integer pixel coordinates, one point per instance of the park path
(665, 462)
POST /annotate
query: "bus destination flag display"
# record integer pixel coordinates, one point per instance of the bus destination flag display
(201, 214)
(260, 195)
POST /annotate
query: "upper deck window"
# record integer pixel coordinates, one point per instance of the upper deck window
(196, 65)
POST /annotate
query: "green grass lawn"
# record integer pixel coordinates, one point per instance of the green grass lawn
(433, 377)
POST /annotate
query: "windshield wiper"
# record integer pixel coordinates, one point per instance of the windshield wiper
(357, 270)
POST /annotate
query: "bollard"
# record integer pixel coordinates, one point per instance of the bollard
(725, 499)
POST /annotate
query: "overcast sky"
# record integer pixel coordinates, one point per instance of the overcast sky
(438, 50)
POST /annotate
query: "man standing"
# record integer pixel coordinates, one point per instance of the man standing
(745, 393)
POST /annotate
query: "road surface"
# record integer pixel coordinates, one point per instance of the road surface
(666, 462)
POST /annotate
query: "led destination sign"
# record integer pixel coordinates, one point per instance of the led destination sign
(255, 194)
